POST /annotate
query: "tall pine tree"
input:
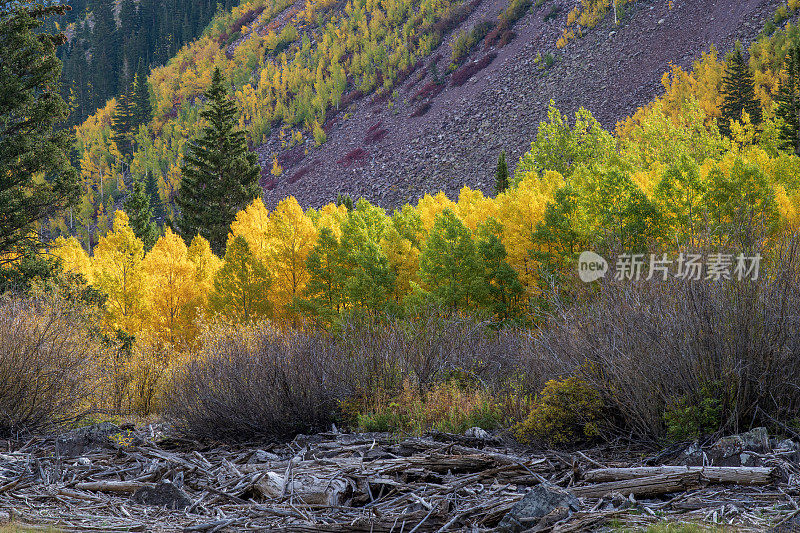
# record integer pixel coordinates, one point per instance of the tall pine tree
(738, 89)
(501, 175)
(140, 215)
(789, 102)
(122, 125)
(142, 110)
(220, 176)
(30, 108)
(151, 188)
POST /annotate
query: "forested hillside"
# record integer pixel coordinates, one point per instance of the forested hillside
(109, 42)
(329, 109)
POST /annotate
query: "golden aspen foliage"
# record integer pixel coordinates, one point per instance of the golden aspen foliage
(117, 270)
(276, 169)
(73, 256)
(252, 223)
(473, 208)
(519, 211)
(206, 265)
(172, 293)
(292, 236)
(329, 216)
(241, 285)
(430, 206)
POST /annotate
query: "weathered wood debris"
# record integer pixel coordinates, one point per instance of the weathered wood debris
(107, 478)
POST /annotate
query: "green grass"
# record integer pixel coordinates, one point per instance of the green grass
(672, 527)
(23, 528)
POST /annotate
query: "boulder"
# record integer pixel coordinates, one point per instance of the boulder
(735, 450)
(543, 504)
(86, 440)
(164, 494)
(477, 433)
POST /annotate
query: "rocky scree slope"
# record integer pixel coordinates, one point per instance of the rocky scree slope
(418, 140)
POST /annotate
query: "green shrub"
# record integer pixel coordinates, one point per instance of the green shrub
(449, 407)
(780, 15)
(691, 417)
(553, 13)
(464, 41)
(567, 410)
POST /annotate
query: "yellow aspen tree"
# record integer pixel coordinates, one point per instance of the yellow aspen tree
(403, 259)
(117, 271)
(519, 212)
(171, 289)
(252, 223)
(329, 216)
(206, 266)
(241, 286)
(474, 208)
(429, 207)
(73, 257)
(292, 236)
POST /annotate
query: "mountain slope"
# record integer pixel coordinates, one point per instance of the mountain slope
(611, 71)
(109, 39)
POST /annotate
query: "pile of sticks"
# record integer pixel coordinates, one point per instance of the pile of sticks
(367, 483)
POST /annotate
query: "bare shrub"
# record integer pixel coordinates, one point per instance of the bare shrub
(376, 136)
(463, 74)
(256, 382)
(653, 346)
(299, 174)
(292, 157)
(45, 365)
(429, 90)
(353, 156)
(421, 110)
(433, 347)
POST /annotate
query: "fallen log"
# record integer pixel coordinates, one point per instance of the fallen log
(738, 475)
(116, 487)
(645, 486)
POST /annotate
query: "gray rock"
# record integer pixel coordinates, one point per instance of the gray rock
(85, 440)
(735, 450)
(263, 456)
(540, 502)
(164, 494)
(476, 433)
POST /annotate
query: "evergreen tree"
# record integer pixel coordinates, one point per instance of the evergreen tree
(738, 88)
(30, 107)
(122, 125)
(151, 188)
(789, 102)
(345, 200)
(140, 215)
(220, 176)
(142, 110)
(501, 175)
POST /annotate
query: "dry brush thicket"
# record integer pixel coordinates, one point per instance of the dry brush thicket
(643, 360)
(46, 365)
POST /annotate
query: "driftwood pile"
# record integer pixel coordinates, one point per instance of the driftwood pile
(107, 478)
